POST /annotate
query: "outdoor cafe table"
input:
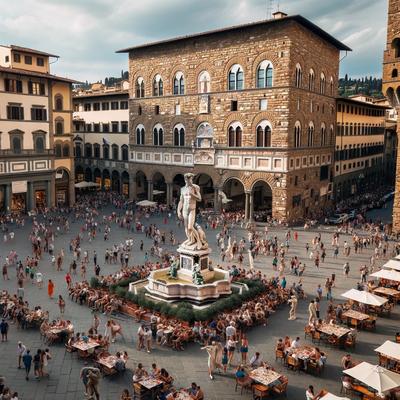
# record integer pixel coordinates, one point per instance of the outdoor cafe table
(107, 364)
(333, 330)
(358, 316)
(152, 385)
(264, 375)
(183, 395)
(85, 346)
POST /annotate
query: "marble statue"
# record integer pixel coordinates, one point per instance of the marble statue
(190, 195)
(197, 278)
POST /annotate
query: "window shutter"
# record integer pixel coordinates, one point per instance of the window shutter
(42, 90)
(21, 112)
(8, 112)
(30, 88)
(19, 86)
(33, 114)
(7, 85)
(44, 115)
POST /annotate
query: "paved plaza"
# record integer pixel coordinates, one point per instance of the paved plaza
(190, 365)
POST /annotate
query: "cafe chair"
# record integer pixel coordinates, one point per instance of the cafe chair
(281, 388)
(293, 363)
(346, 388)
(383, 360)
(307, 331)
(279, 355)
(314, 366)
(350, 342)
(260, 391)
(316, 336)
(369, 325)
(398, 337)
(243, 384)
(353, 323)
(333, 341)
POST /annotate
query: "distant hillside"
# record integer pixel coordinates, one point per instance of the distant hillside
(108, 81)
(367, 86)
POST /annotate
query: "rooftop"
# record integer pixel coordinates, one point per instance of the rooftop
(88, 94)
(36, 74)
(284, 19)
(363, 103)
(32, 51)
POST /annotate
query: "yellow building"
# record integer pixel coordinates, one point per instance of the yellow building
(360, 146)
(36, 163)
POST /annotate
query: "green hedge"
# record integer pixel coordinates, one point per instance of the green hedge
(184, 311)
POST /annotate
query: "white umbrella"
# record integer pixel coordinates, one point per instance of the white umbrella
(387, 274)
(330, 396)
(84, 184)
(389, 349)
(364, 297)
(393, 264)
(376, 377)
(146, 203)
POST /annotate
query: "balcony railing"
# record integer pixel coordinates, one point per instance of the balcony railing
(26, 153)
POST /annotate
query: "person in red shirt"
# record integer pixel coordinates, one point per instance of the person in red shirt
(68, 280)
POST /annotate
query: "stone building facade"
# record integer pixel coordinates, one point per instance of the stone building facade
(391, 88)
(101, 129)
(360, 152)
(249, 109)
(36, 158)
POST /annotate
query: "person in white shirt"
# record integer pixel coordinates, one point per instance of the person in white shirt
(21, 349)
(231, 330)
(295, 343)
(310, 393)
(256, 360)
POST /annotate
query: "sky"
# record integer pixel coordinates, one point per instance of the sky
(86, 33)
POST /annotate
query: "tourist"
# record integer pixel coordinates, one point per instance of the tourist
(125, 395)
(293, 307)
(37, 364)
(256, 360)
(310, 393)
(231, 346)
(4, 330)
(61, 304)
(27, 361)
(50, 289)
(21, 349)
(94, 376)
(139, 373)
(244, 349)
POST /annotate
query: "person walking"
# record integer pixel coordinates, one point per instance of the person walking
(293, 307)
(244, 348)
(27, 361)
(4, 330)
(346, 269)
(37, 364)
(61, 304)
(21, 349)
(94, 376)
(312, 312)
(50, 288)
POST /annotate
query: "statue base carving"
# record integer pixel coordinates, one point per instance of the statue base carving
(188, 260)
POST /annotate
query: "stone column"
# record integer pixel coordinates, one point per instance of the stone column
(132, 188)
(217, 200)
(251, 206)
(7, 197)
(150, 190)
(246, 206)
(30, 201)
(169, 193)
(50, 194)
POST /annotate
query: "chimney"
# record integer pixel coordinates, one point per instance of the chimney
(279, 15)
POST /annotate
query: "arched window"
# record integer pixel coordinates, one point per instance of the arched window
(124, 152)
(236, 78)
(311, 80)
(65, 150)
(396, 47)
(179, 135)
(78, 150)
(395, 73)
(263, 134)
(158, 135)
(88, 150)
(265, 73)
(39, 144)
(96, 150)
(323, 135)
(58, 102)
(332, 87)
(179, 83)
(58, 150)
(235, 135)
(139, 87)
(106, 151)
(298, 76)
(332, 135)
(322, 83)
(204, 82)
(140, 133)
(59, 126)
(158, 88)
(310, 135)
(115, 152)
(297, 134)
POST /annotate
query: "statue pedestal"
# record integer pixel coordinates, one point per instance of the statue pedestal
(188, 258)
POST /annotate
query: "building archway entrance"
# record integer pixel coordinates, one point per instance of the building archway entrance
(62, 187)
(159, 188)
(79, 174)
(177, 183)
(115, 182)
(207, 190)
(125, 183)
(97, 177)
(106, 179)
(88, 175)
(262, 201)
(141, 185)
(235, 199)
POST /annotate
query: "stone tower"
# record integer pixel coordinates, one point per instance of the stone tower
(391, 87)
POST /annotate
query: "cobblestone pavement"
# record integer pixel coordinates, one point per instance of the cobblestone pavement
(191, 364)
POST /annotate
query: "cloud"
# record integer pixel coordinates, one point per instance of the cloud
(86, 33)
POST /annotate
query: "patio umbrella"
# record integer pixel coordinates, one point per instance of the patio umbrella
(390, 349)
(330, 396)
(387, 274)
(364, 297)
(146, 203)
(85, 184)
(376, 377)
(393, 264)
